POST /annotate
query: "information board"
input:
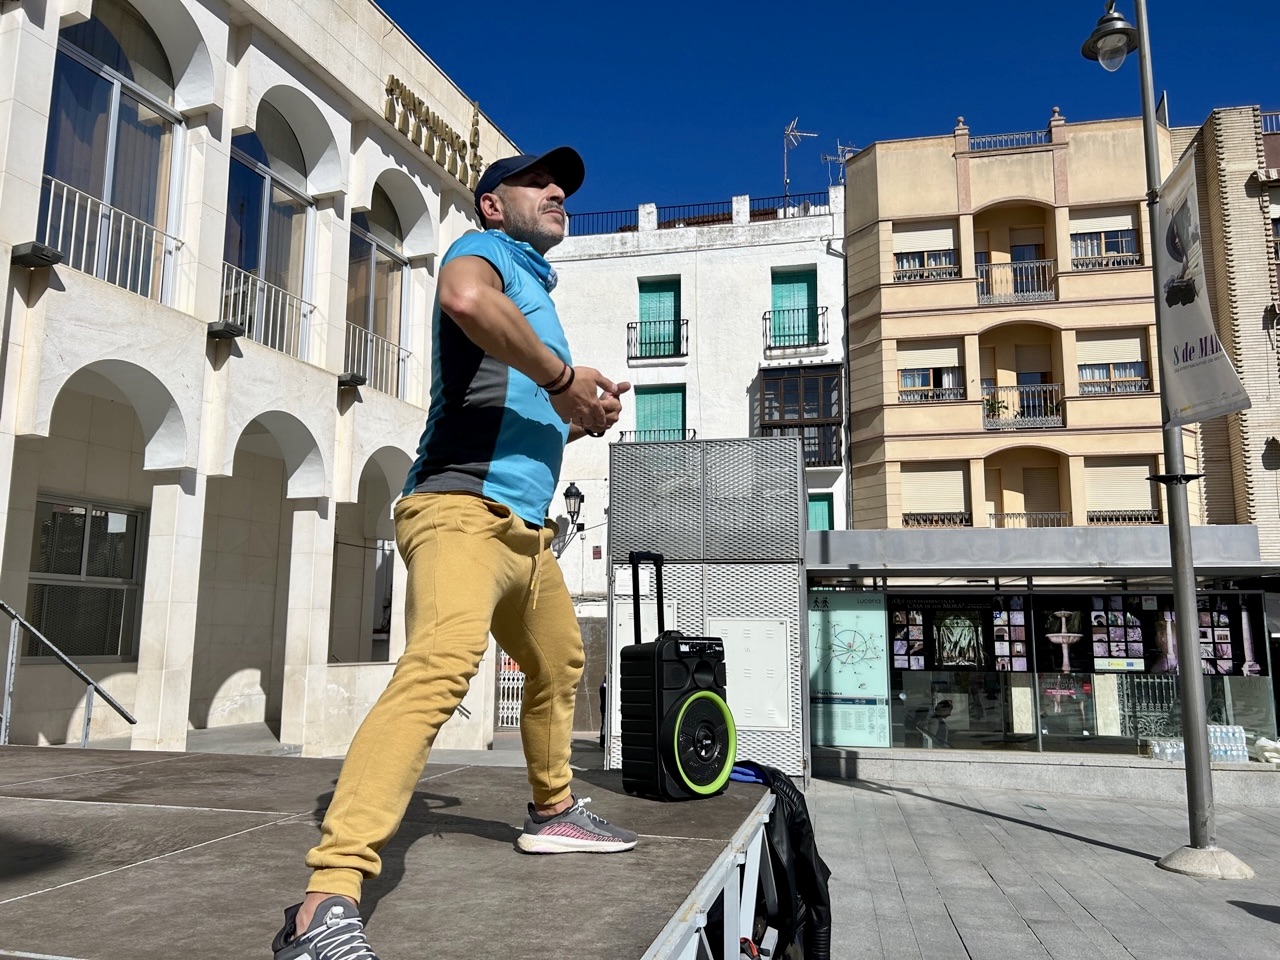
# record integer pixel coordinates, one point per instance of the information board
(849, 664)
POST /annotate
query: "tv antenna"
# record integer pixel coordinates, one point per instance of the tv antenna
(790, 138)
(843, 153)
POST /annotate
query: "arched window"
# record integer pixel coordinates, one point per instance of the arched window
(110, 152)
(375, 294)
(268, 214)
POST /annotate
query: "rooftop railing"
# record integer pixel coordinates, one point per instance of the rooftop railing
(1009, 141)
(104, 242)
(1271, 122)
(674, 216)
(792, 205)
(695, 215)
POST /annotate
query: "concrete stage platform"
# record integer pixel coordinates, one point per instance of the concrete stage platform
(117, 855)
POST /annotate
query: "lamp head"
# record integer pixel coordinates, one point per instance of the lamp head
(1113, 39)
(573, 501)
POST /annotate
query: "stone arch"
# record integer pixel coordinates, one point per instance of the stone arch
(196, 81)
(393, 464)
(420, 228)
(325, 168)
(169, 445)
(303, 460)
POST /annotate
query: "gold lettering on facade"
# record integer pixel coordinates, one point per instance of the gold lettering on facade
(429, 132)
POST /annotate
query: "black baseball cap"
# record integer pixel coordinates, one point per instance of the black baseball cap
(564, 163)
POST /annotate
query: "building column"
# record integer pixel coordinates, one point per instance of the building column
(306, 644)
(170, 588)
(978, 492)
(1076, 490)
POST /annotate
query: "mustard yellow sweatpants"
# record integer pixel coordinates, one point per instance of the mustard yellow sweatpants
(473, 566)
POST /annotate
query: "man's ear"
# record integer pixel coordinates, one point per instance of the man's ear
(491, 207)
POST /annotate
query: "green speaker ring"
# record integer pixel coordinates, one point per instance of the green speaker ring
(731, 753)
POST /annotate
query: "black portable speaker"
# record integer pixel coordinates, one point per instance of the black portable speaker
(678, 736)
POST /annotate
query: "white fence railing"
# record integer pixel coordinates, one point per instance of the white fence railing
(382, 363)
(96, 238)
(273, 317)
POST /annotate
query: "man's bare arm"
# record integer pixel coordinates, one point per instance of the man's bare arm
(471, 294)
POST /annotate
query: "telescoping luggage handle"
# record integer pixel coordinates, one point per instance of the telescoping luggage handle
(638, 557)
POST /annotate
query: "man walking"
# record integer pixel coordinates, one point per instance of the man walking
(505, 398)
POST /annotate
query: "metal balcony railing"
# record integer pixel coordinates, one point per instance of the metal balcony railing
(1092, 388)
(1041, 519)
(930, 394)
(656, 339)
(1028, 281)
(1008, 141)
(795, 327)
(1271, 122)
(109, 244)
(1123, 518)
(961, 518)
(1107, 261)
(916, 274)
(382, 363)
(790, 206)
(820, 441)
(273, 317)
(17, 625)
(1027, 407)
(656, 436)
(695, 215)
(607, 221)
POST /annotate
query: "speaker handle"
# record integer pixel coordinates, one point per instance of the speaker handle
(638, 557)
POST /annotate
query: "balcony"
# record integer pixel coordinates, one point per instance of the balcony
(1008, 141)
(1026, 407)
(656, 436)
(1109, 261)
(382, 363)
(109, 244)
(930, 394)
(657, 339)
(1094, 388)
(918, 274)
(1123, 518)
(795, 328)
(938, 520)
(273, 317)
(1028, 281)
(820, 441)
(1010, 521)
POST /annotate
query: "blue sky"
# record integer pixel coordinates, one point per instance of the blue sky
(686, 102)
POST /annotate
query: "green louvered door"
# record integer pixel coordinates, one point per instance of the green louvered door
(658, 334)
(794, 321)
(660, 413)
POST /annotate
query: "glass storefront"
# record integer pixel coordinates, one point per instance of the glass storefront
(1079, 672)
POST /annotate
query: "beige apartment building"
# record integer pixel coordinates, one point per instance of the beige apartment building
(1001, 330)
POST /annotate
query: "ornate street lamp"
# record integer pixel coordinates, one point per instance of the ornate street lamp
(1112, 40)
(573, 507)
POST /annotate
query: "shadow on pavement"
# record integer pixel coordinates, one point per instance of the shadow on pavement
(20, 857)
(880, 788)
(1263, 911)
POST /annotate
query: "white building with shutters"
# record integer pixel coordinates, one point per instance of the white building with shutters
(1001, 331)
(728, 319)
(213, 397)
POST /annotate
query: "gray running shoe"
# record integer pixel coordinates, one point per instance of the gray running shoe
(577, 830)
(336, 933)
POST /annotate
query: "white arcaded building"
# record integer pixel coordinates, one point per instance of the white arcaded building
(210, 402)
(728, 319)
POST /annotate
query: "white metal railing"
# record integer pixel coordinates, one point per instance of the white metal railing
(273, 317)
(382, 363)
(1271, 122)
(930, 394)
(1108, 261)
(1028, 281)
(109, 244)
(947, 271)
(1008, 141)
(1092, 388)
(510, 690)
(1027, 406)
(1053, 518)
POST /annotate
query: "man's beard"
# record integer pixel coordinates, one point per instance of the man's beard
(531, 229)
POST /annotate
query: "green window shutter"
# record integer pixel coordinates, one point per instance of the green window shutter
(795, 308)
(660, 412)
(821, 507)
(659, 331)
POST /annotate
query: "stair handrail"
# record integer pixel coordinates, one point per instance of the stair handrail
(16, 626)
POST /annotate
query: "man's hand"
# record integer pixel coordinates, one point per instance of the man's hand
(612, 404)
(582, 403)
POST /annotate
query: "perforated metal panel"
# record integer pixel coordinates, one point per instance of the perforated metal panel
(708, 500)
(729, 516)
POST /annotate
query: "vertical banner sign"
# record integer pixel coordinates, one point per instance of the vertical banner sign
(849, 664)
(1200, 382)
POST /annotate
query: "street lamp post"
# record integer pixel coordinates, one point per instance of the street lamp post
(573, 507)
(1111, 41)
